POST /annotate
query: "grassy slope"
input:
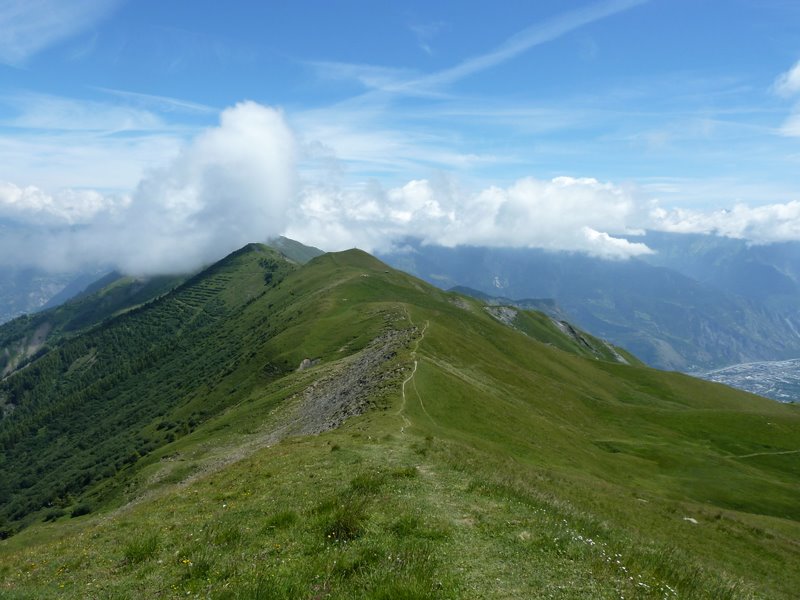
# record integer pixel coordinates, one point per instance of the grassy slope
(502, 467)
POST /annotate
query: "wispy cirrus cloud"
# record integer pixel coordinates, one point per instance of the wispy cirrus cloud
(425, 32)
(30, 26)
(371, 77)
(787, 85)
(43, 111)
(58, 142)
(398, 82)
(386, 115)
(160, 103)
(526, 39)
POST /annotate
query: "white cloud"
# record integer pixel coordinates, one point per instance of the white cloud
(387, 79)
(765, 224)
(29, 26)
(791, 127)
(33, 206)
(561, 214)
(526, 39)
(40, 111)
(239, 182)
(788, 83)
(230, 186)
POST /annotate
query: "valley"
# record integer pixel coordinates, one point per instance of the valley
(779, 380)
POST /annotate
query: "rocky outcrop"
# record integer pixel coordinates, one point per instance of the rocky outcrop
(504, 314)
(345, 390)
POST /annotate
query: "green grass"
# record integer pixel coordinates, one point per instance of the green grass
(510, 469)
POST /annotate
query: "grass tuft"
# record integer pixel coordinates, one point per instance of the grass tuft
(347, 522)
(140, 550)
(282, 519)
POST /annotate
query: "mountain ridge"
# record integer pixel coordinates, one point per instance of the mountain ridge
(420, 427)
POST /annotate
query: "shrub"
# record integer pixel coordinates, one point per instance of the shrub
(83, 508)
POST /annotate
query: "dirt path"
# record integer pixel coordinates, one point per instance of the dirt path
(768, 453)
(410, 378)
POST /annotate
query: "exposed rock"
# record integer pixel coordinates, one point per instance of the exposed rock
(569, 330)
(504, 314)
(307, 363)
(460, 302)
(345, 392)
(617, 356)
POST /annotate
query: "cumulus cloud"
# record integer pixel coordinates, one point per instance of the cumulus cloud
(758, 224)
(561, 214)
(238, 182)
(564, 213)
(230, 186)
(33, 206)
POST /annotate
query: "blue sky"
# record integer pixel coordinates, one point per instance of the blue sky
(438, 119)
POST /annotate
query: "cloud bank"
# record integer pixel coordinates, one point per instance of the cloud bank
(230, 186)
(561, 214)
(240, 182)
(759, 224)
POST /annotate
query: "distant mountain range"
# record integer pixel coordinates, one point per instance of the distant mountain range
(699, 302)
(28, 290)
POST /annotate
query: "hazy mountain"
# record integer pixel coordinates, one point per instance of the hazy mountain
(685, 307)
(24, 291)
(344, 430)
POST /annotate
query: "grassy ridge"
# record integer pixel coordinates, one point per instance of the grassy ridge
(494, 465)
